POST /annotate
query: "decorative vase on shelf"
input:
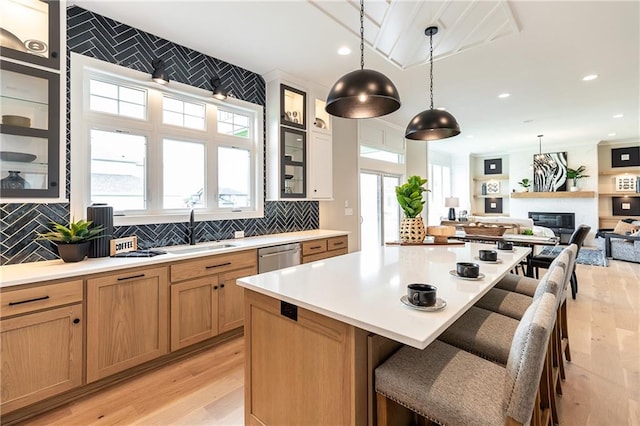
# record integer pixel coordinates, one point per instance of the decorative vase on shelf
(14, 181)
(412, 230)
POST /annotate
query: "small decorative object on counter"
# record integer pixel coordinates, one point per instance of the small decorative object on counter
(101, 214)
(72, 241)
(14, 181)
(411, 200)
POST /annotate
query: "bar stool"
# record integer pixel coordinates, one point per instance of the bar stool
(448, 385)
(514, 304)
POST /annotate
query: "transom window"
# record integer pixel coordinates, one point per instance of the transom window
(153, 152)
(116, 99)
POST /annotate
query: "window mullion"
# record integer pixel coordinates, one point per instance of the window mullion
(154, 150)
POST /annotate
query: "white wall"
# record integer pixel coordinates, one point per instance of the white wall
(416, 164)
(585, 209)
(333, 214)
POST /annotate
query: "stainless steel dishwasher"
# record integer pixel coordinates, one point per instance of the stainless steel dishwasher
(278, 257)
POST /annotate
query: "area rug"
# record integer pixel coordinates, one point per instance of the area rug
(585, 257)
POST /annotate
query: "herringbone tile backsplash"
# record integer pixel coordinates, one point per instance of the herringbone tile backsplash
(96, 36)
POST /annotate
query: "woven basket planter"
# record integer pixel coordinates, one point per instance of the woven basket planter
(412, 230)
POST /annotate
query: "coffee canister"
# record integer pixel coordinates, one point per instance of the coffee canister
(101, 214)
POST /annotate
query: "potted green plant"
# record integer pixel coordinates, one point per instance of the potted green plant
(411, 200)
(73, 240)
(525, 183)
(574, 175)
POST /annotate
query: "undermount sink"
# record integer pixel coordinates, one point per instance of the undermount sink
(196, 249)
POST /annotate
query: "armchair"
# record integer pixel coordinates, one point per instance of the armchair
(623, 247)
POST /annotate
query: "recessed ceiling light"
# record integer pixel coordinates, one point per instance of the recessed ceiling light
(344, 50)
(504, 95)
(612, 134)
(470, 136)
(618, 116)
(589, 77)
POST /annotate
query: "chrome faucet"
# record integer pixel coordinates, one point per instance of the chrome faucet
(192, 229)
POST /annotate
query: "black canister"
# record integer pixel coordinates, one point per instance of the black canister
(101, 214)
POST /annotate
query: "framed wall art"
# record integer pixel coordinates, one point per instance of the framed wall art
(493, 187)
(626, 206)
(625, 157)
(493, 205)
(493, 167)
(626, 183)
(550, 172)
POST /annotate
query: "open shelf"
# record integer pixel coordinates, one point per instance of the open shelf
(619, 194)
(491, 196)
(490, 177)
(563, 194)
(620, 171)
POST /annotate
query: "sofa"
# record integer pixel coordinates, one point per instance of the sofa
(623, 242)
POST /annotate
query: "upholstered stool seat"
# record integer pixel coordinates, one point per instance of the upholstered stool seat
(489, 334)
(450, 386)
(514, 304)
(518, 284)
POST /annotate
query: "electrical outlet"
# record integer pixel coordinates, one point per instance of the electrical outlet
(238, 234)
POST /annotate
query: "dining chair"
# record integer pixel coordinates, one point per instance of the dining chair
(448, 385)
(544, 261)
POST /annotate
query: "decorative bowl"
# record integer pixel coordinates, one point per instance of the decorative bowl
(488, 230)
(16, 120)
(441, 233)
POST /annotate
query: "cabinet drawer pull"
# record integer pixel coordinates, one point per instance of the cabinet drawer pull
(215, 287)
(131, 277)
(338, 244)
(76, 321)
(315, 247)
(217, 266)
(221, 285)
(28, 300)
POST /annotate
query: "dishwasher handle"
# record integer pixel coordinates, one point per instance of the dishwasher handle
(280, 253)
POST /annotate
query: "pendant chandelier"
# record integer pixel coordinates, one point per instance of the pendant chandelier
(432, 124)
(543, 158)
(362, 93)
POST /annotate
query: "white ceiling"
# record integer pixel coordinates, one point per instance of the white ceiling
(536, 50)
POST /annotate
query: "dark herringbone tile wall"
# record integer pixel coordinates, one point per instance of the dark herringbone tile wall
(94, 35)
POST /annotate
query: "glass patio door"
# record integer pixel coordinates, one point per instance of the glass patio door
(379, 210)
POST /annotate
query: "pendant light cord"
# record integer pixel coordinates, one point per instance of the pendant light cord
(431, 69)
(361, 34)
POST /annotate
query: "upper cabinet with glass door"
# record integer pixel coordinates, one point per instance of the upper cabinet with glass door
(30, 31)
(29, 133)
(321, 120)
(293, 107)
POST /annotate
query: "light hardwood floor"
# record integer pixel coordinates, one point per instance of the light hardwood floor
(602, 386)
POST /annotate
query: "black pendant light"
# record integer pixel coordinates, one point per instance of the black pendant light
(432, 124)
(362, 93)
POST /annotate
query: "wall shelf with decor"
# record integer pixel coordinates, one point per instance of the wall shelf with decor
(560, 194)
(618, 175)
(490, 181)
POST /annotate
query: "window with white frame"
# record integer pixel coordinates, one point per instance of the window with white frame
(155, 152)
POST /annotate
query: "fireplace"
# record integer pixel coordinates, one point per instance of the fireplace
(562, 224)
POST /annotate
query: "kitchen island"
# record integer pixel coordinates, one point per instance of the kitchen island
(314, 333)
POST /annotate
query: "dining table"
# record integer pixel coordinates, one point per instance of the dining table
(521, 240)
(314, 333)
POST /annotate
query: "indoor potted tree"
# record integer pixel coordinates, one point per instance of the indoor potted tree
(411, 200)
(525, 183)
(73, 240)
(574, 175)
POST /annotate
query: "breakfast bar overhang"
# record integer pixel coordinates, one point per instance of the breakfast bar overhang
(314, 333)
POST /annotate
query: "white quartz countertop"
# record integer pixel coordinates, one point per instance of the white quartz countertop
(364, 288)
(33, 272)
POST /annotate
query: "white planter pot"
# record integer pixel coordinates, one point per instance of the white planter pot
(574, 189)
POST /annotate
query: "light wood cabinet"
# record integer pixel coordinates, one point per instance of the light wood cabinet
(231, 299)
(40, 343)
(324, 248)
(194, 311)
(127, 320)
(205, 299)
